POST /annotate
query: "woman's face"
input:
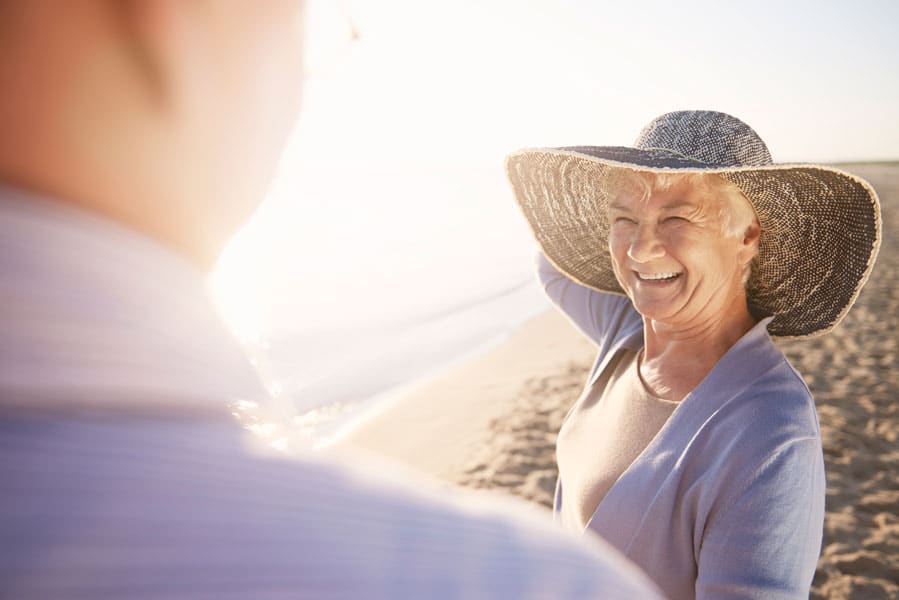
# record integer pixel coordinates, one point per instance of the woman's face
(672, 256)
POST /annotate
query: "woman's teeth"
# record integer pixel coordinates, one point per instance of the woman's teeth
(656, 276)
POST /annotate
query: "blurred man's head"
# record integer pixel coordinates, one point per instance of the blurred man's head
(167, 115)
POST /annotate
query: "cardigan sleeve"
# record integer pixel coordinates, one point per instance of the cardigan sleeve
(764, 538)
(597, 314)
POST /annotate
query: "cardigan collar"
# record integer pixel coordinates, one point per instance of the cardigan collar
(741, 366)
(632, 339)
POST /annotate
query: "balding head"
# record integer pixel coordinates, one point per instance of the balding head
(166, 115)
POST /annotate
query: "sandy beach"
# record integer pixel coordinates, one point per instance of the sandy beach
(491, 423)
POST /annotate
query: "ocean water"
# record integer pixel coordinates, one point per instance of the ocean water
(329, 378)
(371, 282)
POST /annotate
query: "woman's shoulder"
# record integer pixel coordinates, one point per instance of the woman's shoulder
(754, 385)
(772, 413)
(770, 427)
(752, 403)
(779, 394)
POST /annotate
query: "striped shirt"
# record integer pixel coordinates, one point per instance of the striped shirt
(124, 474)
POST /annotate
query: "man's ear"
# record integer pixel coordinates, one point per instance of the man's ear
(155, 34)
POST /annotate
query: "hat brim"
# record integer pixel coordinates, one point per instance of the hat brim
(821, 227)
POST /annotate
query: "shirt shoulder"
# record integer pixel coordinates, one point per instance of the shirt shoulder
(160, 496)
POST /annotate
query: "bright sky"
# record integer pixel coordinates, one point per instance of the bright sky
(432, 95)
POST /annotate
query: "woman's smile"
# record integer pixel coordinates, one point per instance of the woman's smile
(659, 278)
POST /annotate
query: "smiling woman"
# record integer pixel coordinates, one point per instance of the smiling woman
(695, 447)
(681, 246)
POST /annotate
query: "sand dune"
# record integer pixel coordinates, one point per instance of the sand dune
(492, 424)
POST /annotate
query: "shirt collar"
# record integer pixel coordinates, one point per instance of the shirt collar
(97, 314)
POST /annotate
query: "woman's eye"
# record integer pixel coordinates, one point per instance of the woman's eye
(675, 220)
(624, 220)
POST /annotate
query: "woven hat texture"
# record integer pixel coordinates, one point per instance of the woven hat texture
(820, 225)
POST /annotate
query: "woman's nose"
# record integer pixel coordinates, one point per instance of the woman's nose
(645, 245)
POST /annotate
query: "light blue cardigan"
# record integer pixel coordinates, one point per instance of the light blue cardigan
(727, 501)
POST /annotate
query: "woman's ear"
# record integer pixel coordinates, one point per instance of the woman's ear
(750, 243)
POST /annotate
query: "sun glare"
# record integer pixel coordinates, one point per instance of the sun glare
(234, 292)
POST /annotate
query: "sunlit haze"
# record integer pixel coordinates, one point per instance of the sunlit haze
(391, 204)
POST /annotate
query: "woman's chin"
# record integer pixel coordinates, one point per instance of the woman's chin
(655, 307)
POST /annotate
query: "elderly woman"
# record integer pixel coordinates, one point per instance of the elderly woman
(695, 446)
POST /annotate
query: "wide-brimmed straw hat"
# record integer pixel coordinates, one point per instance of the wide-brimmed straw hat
(820, 225)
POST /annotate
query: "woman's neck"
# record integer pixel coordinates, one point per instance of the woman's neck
(676, 359)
